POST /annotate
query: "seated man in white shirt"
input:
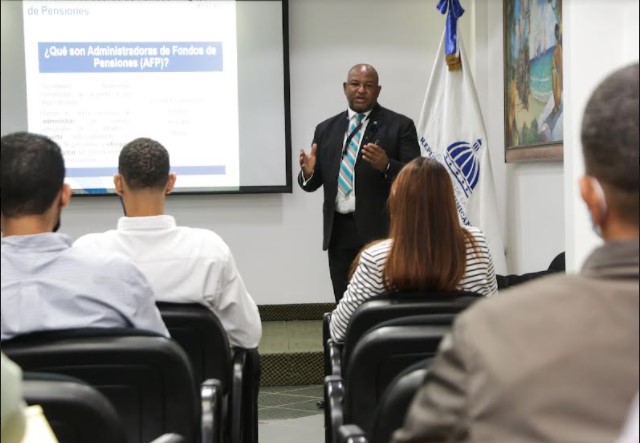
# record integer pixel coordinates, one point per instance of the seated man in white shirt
(46, 283)
(183, 265)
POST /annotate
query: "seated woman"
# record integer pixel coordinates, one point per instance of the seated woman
(427, 249)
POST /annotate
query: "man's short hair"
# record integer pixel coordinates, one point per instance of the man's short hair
(610, 139)
(31, 174)
(144, 163)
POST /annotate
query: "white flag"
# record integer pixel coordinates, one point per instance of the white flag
(451, 129)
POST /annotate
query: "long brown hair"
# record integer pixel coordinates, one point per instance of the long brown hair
(429, 244)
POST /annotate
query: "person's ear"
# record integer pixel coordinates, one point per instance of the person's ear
(65, 195)
(117, 182)
(592, 198)
(344, 87)
(170, 183)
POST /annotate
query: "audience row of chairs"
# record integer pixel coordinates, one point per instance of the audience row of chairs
(371, 377)
(135, 386)
(384, 337)
(128, 385)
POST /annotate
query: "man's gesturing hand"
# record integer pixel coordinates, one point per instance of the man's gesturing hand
(376, 156)
(308, 161)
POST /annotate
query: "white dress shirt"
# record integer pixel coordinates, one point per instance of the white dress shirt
(186, 265)
(47, 284)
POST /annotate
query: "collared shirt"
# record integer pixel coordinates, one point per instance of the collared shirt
(186, 265)
(614, 259)
(47, 284)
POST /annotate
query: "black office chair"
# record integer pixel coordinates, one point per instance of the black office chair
(385, 307)
(77, 412)
(377, 310)
(395, 401)
(392, 409)
(146, 377)
(203, 338)
(556, 265)
(380, 355)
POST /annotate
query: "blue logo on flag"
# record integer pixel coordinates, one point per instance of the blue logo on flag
(462, 160)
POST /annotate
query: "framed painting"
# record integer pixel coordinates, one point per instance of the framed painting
(533, 105)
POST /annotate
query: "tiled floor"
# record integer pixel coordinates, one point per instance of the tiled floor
(289, 414)
(306, 429)
(282, 402)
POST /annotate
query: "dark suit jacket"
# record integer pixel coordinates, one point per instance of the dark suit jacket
(396, 134)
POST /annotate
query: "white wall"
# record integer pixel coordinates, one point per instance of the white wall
(277, 238)
(589, 57)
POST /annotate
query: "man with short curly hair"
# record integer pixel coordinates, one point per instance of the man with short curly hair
(183, 264)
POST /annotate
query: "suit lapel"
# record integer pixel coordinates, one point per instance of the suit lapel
(375, 121)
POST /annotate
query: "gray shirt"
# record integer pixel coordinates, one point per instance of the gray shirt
(47, 284)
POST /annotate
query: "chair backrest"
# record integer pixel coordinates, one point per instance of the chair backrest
(76, 411)
(556, 265)
(146, 377)
(201, 335)
(395, 401)
(401, 304)
(378, 358)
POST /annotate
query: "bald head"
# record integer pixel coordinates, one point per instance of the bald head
(361, 87)
(363, 68)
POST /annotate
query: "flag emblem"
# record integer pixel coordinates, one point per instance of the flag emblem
(463, 164)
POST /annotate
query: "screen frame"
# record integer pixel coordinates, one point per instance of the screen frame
(252, 189)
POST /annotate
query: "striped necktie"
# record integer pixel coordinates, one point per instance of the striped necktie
(345, 177)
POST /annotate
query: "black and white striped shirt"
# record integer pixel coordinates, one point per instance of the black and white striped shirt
(367, 280)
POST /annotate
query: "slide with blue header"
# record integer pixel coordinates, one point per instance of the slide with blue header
(100, 74)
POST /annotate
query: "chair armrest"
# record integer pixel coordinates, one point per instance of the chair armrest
(237, 389)
(334, 412)
(326, 335)
(245, 384)
(335, 356)
(352, 434)
(211, 420)
(168, 438)
(251, 388)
